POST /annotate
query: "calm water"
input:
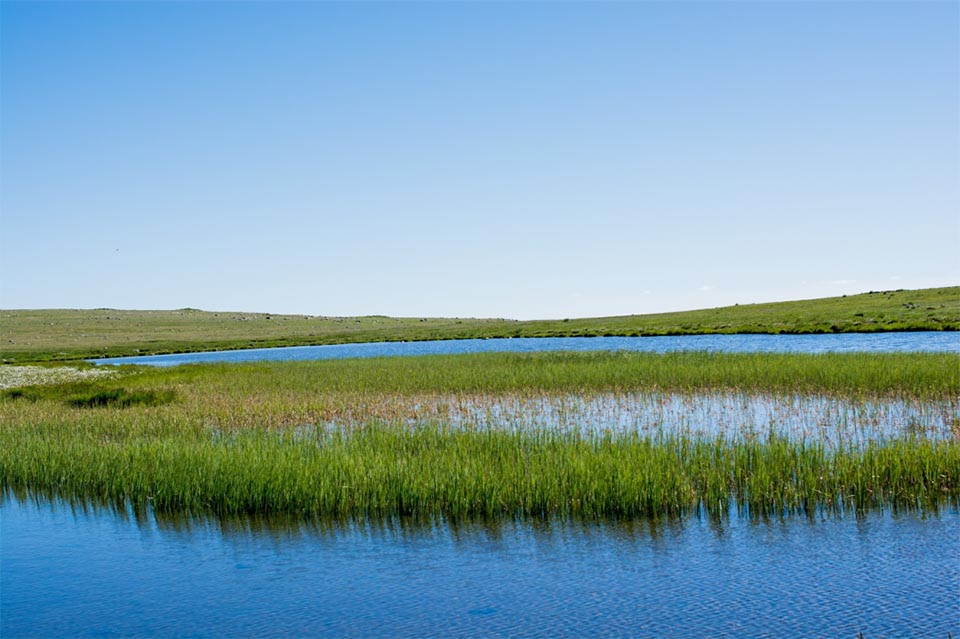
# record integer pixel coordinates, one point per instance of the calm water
(831, 420)
(75, 573)
(827, 419)
(876, 342)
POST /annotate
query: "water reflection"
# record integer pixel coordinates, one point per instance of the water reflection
(833, 420)
(89, 571)
(284, 527)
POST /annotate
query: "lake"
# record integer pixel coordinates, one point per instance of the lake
(830, 343)
(75, 572)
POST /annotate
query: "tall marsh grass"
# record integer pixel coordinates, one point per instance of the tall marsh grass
(379, 470)
(371, 438)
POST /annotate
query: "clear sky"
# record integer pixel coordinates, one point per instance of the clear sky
(494, 159)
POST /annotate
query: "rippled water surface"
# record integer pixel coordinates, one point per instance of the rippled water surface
(846, 342)
(76, 573)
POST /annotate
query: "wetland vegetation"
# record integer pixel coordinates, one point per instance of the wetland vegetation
(455, 436)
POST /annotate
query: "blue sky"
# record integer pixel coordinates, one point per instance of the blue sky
(497, 159)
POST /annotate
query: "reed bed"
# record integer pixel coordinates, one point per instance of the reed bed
(494, 435)
(380, 470)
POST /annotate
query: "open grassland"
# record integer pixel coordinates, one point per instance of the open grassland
(47, 335)
(383, 437)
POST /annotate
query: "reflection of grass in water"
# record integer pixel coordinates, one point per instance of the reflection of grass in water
(377, 437)
(827, 418)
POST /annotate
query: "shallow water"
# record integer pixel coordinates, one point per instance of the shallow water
(86, 573)
(832, 420)
(846, 342)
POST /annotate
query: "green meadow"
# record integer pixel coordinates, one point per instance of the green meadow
(381, 437)
(64, 335)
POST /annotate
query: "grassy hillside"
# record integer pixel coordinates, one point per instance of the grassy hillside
(49, 335)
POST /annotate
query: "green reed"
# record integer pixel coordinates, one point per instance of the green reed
(372, 438)
(380, 469)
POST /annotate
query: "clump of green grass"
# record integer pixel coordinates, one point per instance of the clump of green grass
(91, 396)
(120, 398)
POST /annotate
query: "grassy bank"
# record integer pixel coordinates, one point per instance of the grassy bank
(59, 335)
(377, 437)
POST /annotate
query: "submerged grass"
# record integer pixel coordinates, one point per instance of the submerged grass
(361, 438)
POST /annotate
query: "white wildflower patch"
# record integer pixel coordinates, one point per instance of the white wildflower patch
(16, 376)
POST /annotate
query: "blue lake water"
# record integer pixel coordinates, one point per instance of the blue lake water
(844, 342)
(73, 573)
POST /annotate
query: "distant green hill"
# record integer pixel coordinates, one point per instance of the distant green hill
(48, 335)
